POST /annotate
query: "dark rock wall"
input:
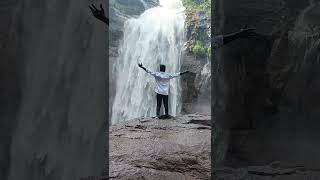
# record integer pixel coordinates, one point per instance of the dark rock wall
(10, 87)
(269, 84)
(53, 90)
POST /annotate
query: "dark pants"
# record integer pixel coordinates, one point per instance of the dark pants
(163, 98)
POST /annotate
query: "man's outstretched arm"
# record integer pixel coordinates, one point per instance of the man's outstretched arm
(99, 13)
(145, 69)
(220, 40)
(141, 66)
(243, 33)
(182, 73)
(178, 74)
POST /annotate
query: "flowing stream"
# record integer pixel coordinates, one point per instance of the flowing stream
(154, 38)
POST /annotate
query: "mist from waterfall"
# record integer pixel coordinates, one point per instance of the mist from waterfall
(154, 38)
(203, 101)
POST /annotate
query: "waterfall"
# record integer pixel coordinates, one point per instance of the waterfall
(144, 4)
(154, 38)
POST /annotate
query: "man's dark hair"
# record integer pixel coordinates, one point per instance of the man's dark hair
(162, 68)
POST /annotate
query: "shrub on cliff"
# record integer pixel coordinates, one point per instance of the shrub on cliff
(199, 48)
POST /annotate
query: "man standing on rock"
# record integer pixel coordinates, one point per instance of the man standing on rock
(162, 78)
(162, 87)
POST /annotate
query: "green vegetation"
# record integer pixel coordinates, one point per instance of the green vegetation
(198, 45)
(198, 5)
(197, 39)
(199, 48)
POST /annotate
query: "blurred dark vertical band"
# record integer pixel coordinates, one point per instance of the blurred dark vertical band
(10, 91)
(54, 92)
(107, 98)
(216, 58)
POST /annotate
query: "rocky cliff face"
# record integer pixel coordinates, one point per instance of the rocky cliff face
(269, 84)
(196, 86)
(53, 92)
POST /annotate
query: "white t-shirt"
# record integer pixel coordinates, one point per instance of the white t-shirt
(217, 41)
(162, 81)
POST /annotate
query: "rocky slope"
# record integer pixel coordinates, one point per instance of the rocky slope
(148, 148)
(269, 84)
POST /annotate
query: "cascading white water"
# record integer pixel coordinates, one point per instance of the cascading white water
(156, 37)
(144, 3)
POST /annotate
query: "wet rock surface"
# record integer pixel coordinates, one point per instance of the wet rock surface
(148, 148)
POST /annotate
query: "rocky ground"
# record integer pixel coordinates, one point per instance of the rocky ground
(147, 148)
(274, 171)
(179, 148)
